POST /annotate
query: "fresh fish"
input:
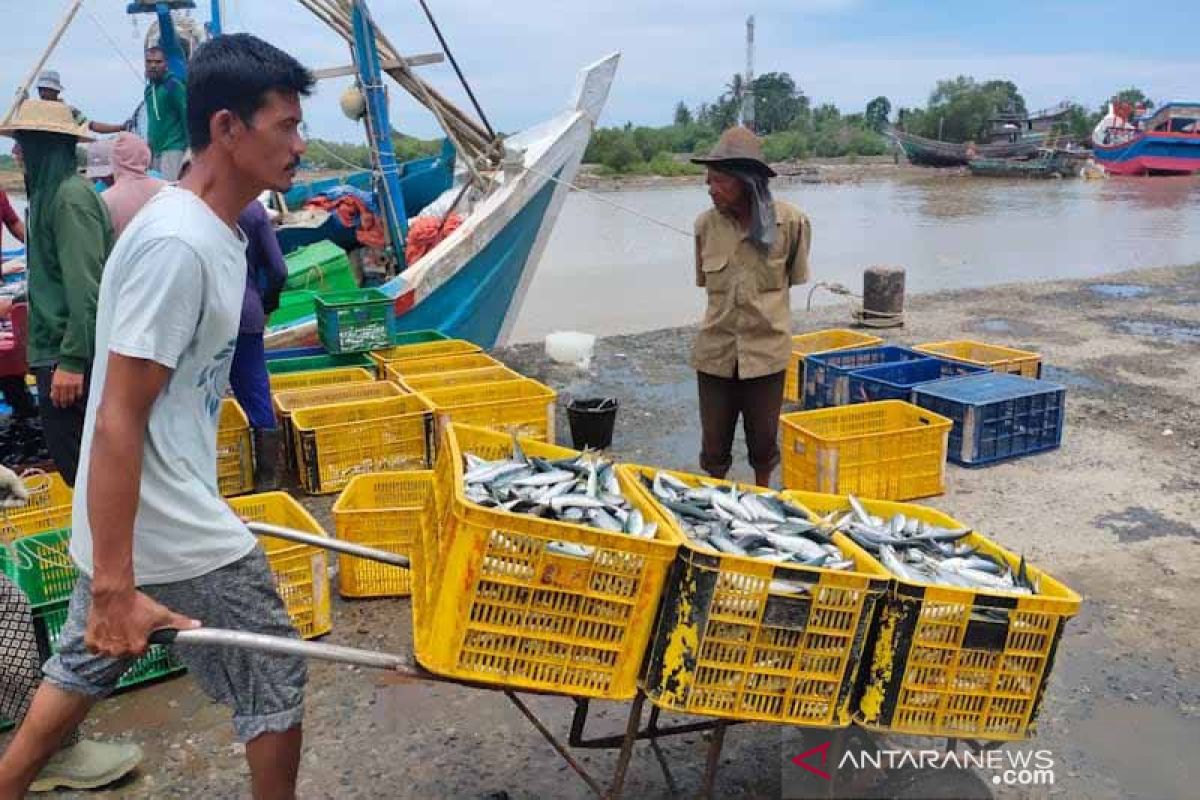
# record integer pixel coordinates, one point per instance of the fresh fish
(544, 478)
(726, 545)
(605, 521)
(574, 501)
(571, 549)
(634, 523)
(489, 472)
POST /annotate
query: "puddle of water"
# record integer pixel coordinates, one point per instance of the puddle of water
(995, 326)
(1175, 332)
(1121, 291)
(1136, 524)
(1150, 751)
(1069, 378)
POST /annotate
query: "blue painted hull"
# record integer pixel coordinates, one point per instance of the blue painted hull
(474, 303)
(1151, 153)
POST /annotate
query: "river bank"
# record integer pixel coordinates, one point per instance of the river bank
(1112, 513)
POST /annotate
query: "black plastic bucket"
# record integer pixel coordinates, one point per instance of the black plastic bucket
(592, 422)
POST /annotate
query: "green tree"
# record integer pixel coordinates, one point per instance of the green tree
(1133, 96)
(877, 113)
(683, 116)
(961, 109)
(778, 102)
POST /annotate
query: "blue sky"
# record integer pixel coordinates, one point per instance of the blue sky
(522, 55)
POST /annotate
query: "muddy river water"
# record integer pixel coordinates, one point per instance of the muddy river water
(607, 271)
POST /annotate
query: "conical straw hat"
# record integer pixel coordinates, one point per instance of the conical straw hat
(46, 116)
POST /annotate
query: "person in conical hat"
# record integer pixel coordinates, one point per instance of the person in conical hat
(750, 250)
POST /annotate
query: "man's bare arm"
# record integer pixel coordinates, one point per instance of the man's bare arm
(121, 618)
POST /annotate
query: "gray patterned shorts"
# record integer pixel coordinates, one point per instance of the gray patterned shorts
(265, 691)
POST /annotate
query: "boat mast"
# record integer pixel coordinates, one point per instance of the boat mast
(370, 81)
(747, 90)
(23, 89)
(216, 18)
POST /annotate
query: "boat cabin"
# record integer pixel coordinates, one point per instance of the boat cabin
(1172, 118)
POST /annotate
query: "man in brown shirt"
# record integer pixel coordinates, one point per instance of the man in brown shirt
(750, 250)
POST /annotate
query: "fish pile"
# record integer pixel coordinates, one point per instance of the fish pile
(581, 490)
(914, 550)
(753, 524)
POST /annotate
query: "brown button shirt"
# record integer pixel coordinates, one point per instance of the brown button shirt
(748, 324)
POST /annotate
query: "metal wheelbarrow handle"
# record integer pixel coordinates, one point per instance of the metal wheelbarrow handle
(337, 545)
(283, 646)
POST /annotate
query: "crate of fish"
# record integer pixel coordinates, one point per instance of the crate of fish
(965, 642)
(384, 510)
(890, 449)
(406, 352)
(356, 320)
(766, 610)
(466, 377)
(543, 574)
(40, 566)
(310, 379)
(897, 381)
(807, 344)
(336, 442)
(316, 362)
(46, 508)
(997, 416)
(827, 375)
(401, 371)
(235, 450)
(1026, 363)
(301, 572)
(287, 402)
(48, 621)
(523, 407)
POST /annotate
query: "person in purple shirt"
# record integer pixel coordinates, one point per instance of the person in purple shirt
(266, 272)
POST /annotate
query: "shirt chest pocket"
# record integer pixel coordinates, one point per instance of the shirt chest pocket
(717, 274)
(771, 267)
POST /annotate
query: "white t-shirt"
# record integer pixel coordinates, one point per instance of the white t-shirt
(172, 293)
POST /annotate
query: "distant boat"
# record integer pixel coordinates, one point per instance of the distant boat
(1165, 142)
(933, 153)
(1049, 164)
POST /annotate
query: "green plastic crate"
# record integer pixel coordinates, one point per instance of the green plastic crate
(321, 267)
(48, 620)
(355, 321)
(40, 566)
(309, 363)
(294, 305)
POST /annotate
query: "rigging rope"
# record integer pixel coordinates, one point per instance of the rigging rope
(601, 198)
(112, 43)
(454, 63)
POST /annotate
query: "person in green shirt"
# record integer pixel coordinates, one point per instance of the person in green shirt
(68, 238)
(166, 116)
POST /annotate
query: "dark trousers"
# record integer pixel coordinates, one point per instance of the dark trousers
(16, 394)
(758, 402)
(250, 382)
(62, 427)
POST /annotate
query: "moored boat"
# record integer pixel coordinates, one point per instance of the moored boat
(1164, 142)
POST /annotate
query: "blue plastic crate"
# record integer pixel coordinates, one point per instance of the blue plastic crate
(996, 416)
(827, 375)
(897, 381)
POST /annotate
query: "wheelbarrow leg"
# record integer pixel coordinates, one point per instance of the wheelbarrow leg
(631, 734)
(715, 746)
(562, 751)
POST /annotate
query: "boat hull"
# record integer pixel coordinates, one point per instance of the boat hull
(1150, 154)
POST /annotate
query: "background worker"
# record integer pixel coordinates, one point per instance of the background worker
(166, 116)
(68, 238)
(750, 250)
(49, 87)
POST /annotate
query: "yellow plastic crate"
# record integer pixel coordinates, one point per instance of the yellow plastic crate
(336, 442)
(958, 662)
(286, 403)
(524, 408)
(728, 645)
(891, 449)
(400, 370)
(404, 352)
(48, 508)
(806, 344)
(493, 605)
(301, 572)
(466, 377)
(992, 356)
(286, 381)
(235, 451)
(384, 510)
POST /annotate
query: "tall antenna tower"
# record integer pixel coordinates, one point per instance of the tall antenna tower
(747, 91)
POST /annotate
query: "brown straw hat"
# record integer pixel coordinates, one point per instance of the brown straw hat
(737, 147)
(46, 116)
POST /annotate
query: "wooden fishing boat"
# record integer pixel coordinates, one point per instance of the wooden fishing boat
(933, 153)
(1165, 142)
(1052, 164)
